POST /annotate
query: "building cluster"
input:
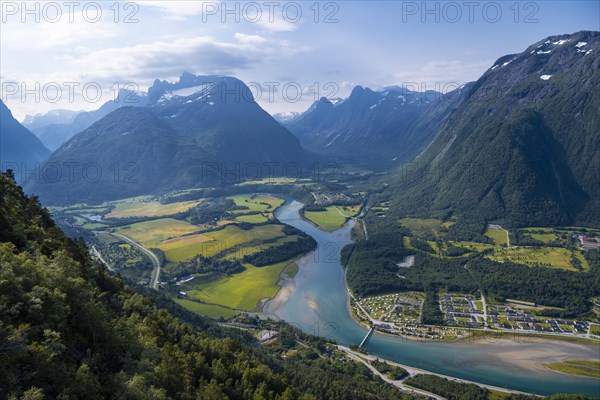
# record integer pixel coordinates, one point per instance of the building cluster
(588, 243)
(461, 310)
(508, 318)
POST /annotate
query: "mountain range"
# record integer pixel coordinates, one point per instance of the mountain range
(201, 130)
(20, 150)
(523, 146)
(375, 127)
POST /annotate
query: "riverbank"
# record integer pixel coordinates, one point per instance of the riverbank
(316, 301)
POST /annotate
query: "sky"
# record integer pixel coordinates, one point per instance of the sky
(76, 55)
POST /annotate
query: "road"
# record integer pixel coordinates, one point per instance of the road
(485, 316)
(155, 261)
(413, 371)
(97, 253)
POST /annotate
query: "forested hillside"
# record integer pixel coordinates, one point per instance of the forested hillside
(69, 330)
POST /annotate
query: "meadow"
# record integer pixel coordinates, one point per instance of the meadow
(152, 233)
(497, 235)
(209, 310)
(577, 367)
(212, 243)
(243, 291)
(331, 219)
(149, 209)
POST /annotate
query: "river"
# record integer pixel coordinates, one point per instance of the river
(316, 301)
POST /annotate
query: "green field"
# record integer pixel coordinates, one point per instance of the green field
(152, 233)
(209, 310)
(252, 218)
(329, 220)
(544, 237)
(263, 203)
(552, 257)
(241, 291)
(577, 367)
(497, 235)
(213, 243)
(149, 209)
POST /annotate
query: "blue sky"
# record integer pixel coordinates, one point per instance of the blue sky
(348, 43)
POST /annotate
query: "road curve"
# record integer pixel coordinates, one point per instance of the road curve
(155, 261)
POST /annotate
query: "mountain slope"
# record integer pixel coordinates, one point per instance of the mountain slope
(373, 126)
(19, 148)
(197, 132)
(57, 126)
(524, 146)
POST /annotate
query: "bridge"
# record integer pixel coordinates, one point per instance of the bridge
(366, 337)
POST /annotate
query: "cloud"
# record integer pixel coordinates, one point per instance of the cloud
(249, 39)
(176, 10)
(440, 73)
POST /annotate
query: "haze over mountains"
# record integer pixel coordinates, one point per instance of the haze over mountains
(202, 130)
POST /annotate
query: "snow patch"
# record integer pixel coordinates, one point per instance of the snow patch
(373, 106)
(125, 133)
(494, 67)
(580, 44)
(211, 103)
(545, 77)
(188, 102)
(561, 42)
(508, 62)
(544, 52)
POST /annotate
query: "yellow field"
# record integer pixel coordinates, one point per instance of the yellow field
(150, 209)
(213, 243)
(151, 233)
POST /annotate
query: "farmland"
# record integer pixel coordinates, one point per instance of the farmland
(149, 209)
(151, 233)
(241, 291)
(333, 218)
(210, 310)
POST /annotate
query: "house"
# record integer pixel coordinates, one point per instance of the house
(588, 243)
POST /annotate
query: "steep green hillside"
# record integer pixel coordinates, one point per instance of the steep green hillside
(523, 148)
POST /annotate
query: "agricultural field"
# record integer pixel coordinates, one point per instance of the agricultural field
(497, 235)
(212, 243)
(149, 209)
(252, 218)
(243, 291)
(551, 257)
(329, 220)
(261, 203)
(270, 181)
(152, 233)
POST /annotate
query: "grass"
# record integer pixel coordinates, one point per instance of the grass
(544, 237)
(209, 310)
(257, 202)
(552, 257)
(252, 218)
(151, 233)
(272, 181)
(150, 209)
(497, 235)
(329, 220)
(595, 330)
(350, 211)
(577, 367)
(241, 291)
(213, 243)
